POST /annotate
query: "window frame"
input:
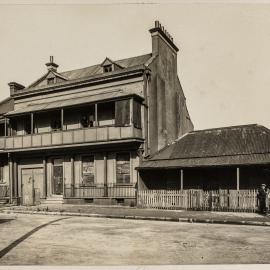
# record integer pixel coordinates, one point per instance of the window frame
(82, 184)
(130, 182)
(50, 81)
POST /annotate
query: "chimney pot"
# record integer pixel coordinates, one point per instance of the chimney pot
(156, 24)
(51, 65)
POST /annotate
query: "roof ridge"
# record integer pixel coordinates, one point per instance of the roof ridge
(227, 127)
(116, 61)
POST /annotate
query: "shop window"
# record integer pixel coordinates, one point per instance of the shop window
(123, 168)
(88, 170)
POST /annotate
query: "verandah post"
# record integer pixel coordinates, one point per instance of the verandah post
(238, 184)
(10, 164)
(32, 123)
(45, 176)
(238, 178)
(72, 177)
(105, 176)
(181, 179)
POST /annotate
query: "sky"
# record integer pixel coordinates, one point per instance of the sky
(223, 61)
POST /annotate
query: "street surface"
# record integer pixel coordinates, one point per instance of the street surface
(100, 241)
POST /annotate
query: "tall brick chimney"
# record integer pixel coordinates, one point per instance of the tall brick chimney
(161, 35)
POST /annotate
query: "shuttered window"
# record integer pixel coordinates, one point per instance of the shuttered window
(137, 119)
(88, 170)
(122, 113)
(123, 168)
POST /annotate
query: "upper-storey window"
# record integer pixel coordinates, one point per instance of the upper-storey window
(50, 81)
(108, 68)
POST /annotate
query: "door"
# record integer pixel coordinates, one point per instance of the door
(32, 185)
(38, 177)
(57, 177)
(27, 187)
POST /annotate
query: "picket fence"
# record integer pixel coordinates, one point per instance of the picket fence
(213, 200)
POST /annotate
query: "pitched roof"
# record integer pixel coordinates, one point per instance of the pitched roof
(214, 147)
(91, 72)
(97, 69)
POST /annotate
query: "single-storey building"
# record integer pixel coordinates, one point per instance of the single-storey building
(228, 159)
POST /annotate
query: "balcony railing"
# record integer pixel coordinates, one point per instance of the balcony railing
(66, 137)
(100, 191)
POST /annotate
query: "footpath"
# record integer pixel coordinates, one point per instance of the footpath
(236, 218)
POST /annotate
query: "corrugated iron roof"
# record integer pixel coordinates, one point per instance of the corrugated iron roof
(97, 69)
(215, 147)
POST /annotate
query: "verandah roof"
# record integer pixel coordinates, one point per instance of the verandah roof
(238, 145)
(69, 102)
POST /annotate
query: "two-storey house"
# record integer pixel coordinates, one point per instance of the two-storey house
(77, 136)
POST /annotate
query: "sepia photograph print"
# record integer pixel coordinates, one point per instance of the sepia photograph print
(134, 134)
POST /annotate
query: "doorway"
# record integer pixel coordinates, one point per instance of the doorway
(57, 185)
(32, 185)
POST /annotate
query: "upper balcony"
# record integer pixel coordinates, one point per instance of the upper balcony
(99, 123)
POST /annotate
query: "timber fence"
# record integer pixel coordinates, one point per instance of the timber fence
(196, 199)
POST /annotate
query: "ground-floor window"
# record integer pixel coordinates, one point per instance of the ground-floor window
(123, 168)
(88, 170)
(1, 174)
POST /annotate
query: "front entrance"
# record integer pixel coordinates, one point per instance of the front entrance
(32, 185)
(57, 185)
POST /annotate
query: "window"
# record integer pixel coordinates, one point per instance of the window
(123, 168)
(107, 68)
(88, 170)
(106, 114)
(137, 119)
(50, 81)
(1, 173)
(122, 113)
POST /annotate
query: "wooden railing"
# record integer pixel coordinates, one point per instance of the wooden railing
(100, 191)
(4, 191)
(75, 136)
(214, 200)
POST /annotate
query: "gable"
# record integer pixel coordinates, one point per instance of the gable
(50, 77)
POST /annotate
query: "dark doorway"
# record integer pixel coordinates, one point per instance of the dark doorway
(57, 176)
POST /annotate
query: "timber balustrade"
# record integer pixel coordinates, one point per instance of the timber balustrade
(192, 199)
(112, 190)
(74, 136)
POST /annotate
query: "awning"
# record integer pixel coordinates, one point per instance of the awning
(71, 102)
(251, 159)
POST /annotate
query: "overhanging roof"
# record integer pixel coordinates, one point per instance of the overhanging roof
(71, 102)
(252, 159)
(238, 145)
